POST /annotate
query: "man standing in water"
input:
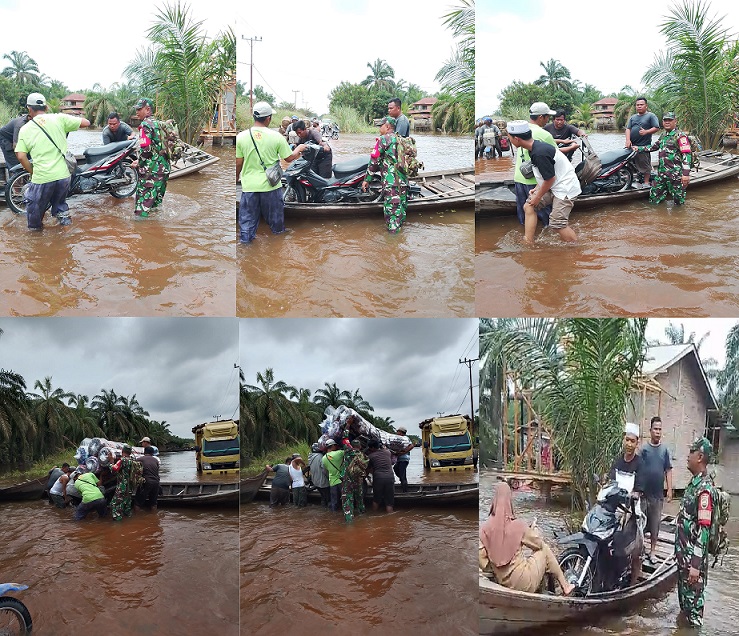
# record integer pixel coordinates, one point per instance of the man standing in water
(256, 150)
(45, 138)
(153, 163)
(401, 466)
(402, 125)
(129, 475)
(656, 466)
(9, 138)
(383, 479)
(691, 538)
(639, 131)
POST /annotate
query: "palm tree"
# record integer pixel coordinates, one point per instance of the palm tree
(112, 416)
(269, 412)
(331, 396)
(17, 427)
(359, 404)
(307, 416)
(383, 423)
(85, 420)
(728, 378)
(675, 334)
(380, 77)
(556, 77)
(580, 373)
(582, 116)
(697, 75)
(450, 114)
(52, 415)
(101, 101)
(22, 68)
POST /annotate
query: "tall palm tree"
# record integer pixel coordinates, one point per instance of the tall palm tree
(271, 412)
(307, 416)
(331, 395)
(359, 404)
(675, 334)
(101, 101)
(697, 74)
(112, 415)
(451, 114)
(556, 77)
(85, 420)
(383, 423)
(380, 77)
(22, 67)
(52, 415)
(728, 378)
(17, 427)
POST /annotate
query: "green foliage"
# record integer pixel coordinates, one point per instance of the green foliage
(21, 67)
(253, 465)
(261, 95)
(555, 78)
(582, 116)
(519, 95)
(6, 113)
(452, 114)
(349, 120)
(380, 77)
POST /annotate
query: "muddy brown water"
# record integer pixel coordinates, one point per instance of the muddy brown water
(656, 617)
(353, 267)
(170, 572)
(109, 263)
(630, 259)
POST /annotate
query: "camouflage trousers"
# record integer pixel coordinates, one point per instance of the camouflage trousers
(664, 185)
(394, 205)
(122, 502)
(691, 596)
(152, 186)
(352, 499)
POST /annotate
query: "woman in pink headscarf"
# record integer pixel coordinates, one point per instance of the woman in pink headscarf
(502, 540)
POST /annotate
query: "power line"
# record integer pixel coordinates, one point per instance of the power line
(469, 362)
(251, 41)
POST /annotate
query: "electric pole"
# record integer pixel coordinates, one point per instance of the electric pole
(469, 366)
(251, 41)
(295, 98)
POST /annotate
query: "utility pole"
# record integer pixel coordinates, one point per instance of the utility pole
(251, 41)
(469, 362)
(295, 98)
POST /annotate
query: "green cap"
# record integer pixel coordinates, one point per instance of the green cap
(669, 115)
(702, 445)
(144, 101)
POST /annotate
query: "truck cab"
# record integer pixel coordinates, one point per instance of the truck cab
(447, 443)
(217, 447)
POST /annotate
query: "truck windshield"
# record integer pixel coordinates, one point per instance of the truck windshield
(451, 443)
(221, 447)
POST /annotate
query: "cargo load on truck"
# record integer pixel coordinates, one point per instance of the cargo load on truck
(447, 443)
(217, 447)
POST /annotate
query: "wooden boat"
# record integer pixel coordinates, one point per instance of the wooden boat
(198, 494)
(249, 487)
(497, 197)
(27, 490)
(439, 190)
(441, 494)
(506, 611)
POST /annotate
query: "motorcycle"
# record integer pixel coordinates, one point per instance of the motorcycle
(102, 169)
(597, 562)
(14, 615)
(329, 129)
(613, 171)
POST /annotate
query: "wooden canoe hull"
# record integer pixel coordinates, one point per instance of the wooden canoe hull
(26, 491)
(497, 197)
(194, 494)
(249, 488)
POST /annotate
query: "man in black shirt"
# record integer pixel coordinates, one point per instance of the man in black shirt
(116, 130)
(8, 139)
(149, 492)
(563, 134)
(324, 159)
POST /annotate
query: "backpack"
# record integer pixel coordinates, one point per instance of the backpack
(407, 156)
(173, 147)
(718, 539)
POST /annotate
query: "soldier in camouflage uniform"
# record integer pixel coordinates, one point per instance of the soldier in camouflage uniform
(354, 469)
(691, 537)
(129, 476)
(153, 165)
(673, 170)
(384, 160)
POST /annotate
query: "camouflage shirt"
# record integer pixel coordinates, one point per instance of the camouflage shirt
(696, 506)
(673, 162)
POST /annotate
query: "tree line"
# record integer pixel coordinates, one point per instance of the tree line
(694, 76)
(39, 423)
(182, 69)
(274, 413)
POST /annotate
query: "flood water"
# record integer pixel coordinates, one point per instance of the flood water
(656, 617)
(178, 262)
(354, 267)
(170, 572)
(630, 258)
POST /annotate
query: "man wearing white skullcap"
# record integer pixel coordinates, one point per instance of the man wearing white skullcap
(627, 467)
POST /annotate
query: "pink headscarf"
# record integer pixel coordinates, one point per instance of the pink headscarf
(501, 532)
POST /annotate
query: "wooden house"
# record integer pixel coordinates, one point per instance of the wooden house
(674, 386)
(221, 129)
(73, 104)
(602, 112)
(420, 113)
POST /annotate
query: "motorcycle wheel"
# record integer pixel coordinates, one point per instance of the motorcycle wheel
(625, 178)
(334, 135)
(294, 193)
(127, 189)
(572, 561)
(14, 616)
(14, 189)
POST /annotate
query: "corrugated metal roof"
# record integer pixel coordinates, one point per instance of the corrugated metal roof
(659, 358)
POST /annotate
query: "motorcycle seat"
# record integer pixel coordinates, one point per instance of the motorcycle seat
(97, 152)
(611, 157)
(346, 168)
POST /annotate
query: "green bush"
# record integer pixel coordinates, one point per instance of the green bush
(350, 121)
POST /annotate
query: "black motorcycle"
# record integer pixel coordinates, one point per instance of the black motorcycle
(598, 561)
(615, 173)
(102, 169)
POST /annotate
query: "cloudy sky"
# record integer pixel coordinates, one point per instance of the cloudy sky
(84, 44)
(609, 46)
(714, 345)
(408, 369)
(312, 47)
(181, 369)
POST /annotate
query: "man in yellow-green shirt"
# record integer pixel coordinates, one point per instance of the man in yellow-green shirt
(258, 197)
(45, 138)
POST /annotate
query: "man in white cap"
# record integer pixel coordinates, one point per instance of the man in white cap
(145, 442)
(557, 184)
(45, 138)
(256, 150)
(539, 115)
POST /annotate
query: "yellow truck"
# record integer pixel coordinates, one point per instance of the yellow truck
(217, 447)
(447, 443)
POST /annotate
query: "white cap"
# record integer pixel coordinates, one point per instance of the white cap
(263, 109)
(518, 127)
(144, 439)
(541, 108)
(631, 429)
(36, 99)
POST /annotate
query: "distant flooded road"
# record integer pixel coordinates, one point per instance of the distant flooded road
(630, 259)
(177, 262)
(353, 267)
